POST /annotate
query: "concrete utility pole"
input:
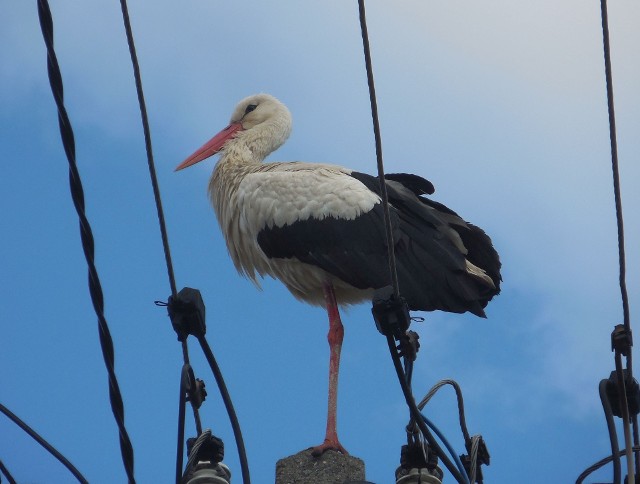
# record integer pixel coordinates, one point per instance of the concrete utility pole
(332, 467)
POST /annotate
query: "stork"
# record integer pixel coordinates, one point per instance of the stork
(319, 228)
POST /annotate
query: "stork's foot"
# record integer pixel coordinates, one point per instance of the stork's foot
(328, 444)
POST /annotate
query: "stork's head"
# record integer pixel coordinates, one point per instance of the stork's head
(259, 123)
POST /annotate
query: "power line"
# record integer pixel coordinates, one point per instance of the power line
(627, 351)
(460, 399)
(187, 313)
(449, 447)
(378, 139)
(148, 146)
(46, 445)
(397, 304)
(614, 167)
(417, 416)
(601, 463)
(77, 194)
(611, 428)
(182, 336)
(6, 473)
(161, 221)
(235, 425)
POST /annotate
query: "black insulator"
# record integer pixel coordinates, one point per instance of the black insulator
(194, 388)
(482, 458)
(211, 450)
(409, 345)
(633, 394)
(621, 340)
(199, 394)
(187, 313)
(414, 463)
(391, 314)
(413, 457)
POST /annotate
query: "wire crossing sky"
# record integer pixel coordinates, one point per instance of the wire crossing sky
(501, 105)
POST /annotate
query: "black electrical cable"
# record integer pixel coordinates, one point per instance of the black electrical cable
(165, 241)
(408, 371)
(460, 399)
(601, 463)
(181, 415)
(147, 142)
(624, 407)
(611, 428)
(188, 388)
(614, 166)
(47, 446)
(376, 131)
(180, 440)
(390, 244)
(618, 208)
(4, 471)
(150, 162)
(193, 455)
(235, 424)
(415, 413)
(77, 193)
(476, 440)
(161, 222)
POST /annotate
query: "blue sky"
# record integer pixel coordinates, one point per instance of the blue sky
(500, 104)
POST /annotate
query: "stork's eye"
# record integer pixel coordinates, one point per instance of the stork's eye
(250, 108)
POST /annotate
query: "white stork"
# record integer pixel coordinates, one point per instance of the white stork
(319, 229)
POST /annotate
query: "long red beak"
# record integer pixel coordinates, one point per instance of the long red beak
(212, 146)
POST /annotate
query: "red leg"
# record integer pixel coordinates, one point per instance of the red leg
(335, 336)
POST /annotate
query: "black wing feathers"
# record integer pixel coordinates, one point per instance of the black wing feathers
(348, 249)
(430, 242)
(415, 183)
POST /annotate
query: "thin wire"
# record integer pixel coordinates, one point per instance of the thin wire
(408, 370)
(614, 166)
(151, 163)
(165, 241)
(77, 193)
(458, 390)
(376, 132)
(193, 455)
(180, 440)
(449, 447)
(471, 442)
(611, 428)
(156, 194)
(601, 463)
(6, 473)
(226, 398)
(390, 247)
(618, 206)
(47, 446)
(415, 413)
(147, 142)
(473, 457)
(624, 406)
